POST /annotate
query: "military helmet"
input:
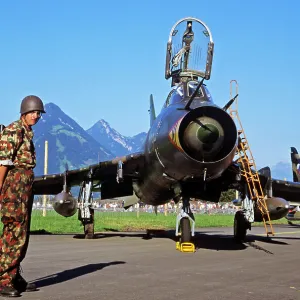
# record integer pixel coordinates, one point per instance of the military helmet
(31, 103)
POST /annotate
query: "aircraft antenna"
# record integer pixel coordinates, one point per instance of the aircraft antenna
(248, 166)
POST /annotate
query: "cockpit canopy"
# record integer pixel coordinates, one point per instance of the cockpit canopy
(183, 91)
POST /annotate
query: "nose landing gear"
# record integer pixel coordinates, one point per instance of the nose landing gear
(184, 229)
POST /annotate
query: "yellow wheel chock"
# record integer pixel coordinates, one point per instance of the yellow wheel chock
(185, 247)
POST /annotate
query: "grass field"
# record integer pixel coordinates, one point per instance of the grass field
(125, 221)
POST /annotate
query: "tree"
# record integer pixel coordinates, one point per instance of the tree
(227, 196)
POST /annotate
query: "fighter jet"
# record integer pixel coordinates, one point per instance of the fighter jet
(294, 209)
(189, 151)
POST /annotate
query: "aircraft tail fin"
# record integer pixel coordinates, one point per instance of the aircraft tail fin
(266, 180)
(152, 110)
(295, 158)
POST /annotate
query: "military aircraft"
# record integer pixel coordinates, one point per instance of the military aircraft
(188, 153)
(294, 210)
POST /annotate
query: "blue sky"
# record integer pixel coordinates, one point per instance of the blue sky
(97, 59)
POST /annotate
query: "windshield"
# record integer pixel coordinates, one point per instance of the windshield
(208, 94)
(176, 95)
(192, 85)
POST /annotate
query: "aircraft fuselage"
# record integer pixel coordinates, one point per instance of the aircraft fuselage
(196, 144)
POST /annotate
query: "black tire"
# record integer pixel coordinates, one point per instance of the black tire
(186, 235)
(89, 226)
(240, 226)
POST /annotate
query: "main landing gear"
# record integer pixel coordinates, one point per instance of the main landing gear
(85, 210)
(184, 229)
(243, 219)
(240, 227)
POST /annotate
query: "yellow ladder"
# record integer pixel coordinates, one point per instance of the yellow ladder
(248, 166)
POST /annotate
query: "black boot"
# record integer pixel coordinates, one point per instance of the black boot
(23, 286)
(9, 291)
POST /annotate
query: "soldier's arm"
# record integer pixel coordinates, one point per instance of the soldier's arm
(10, 140)
(3, 172)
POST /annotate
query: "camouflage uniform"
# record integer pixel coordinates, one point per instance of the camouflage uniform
(17, 152)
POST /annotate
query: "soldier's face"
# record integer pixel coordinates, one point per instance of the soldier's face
(32, 117)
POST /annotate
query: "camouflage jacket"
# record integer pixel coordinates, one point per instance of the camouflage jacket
(16, 146)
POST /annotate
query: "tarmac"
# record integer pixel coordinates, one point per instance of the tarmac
(147, 266)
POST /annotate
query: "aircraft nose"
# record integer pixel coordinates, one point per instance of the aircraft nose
(207, 134)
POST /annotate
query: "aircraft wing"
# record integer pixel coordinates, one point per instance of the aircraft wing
(288, 190)
(53, 184)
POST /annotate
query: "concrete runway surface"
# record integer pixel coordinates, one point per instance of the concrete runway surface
(136, 266)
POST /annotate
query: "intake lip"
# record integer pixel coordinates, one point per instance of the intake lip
(207, 134)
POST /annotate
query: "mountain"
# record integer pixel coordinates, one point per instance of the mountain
(68, 143)
(282, 170)
(116, 143)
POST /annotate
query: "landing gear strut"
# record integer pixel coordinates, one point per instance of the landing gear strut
(183, 223)
(85, 211)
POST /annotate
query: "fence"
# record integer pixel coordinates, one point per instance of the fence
(170, 208)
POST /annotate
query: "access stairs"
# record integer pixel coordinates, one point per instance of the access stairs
(248, 166)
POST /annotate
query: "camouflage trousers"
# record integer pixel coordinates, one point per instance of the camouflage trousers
(16, 204)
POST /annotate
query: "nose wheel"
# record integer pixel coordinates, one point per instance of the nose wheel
(185, 226)
(184, 229)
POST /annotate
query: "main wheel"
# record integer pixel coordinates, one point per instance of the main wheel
(240, 226)
(185, 226)
(89, 226)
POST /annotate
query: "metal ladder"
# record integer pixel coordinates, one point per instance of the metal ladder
(248, 169)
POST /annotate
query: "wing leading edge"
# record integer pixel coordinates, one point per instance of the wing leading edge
(52, 184)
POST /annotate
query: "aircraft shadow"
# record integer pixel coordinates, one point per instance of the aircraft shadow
(72, 273)
(296, 225)
(103, 235)
(217, 242)
(265, 239)
(145, 235)
(284, 238)
(290, 225)
(211, 240)
(227, 242)
(40, 232)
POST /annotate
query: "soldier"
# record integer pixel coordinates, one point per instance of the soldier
(17, 160)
